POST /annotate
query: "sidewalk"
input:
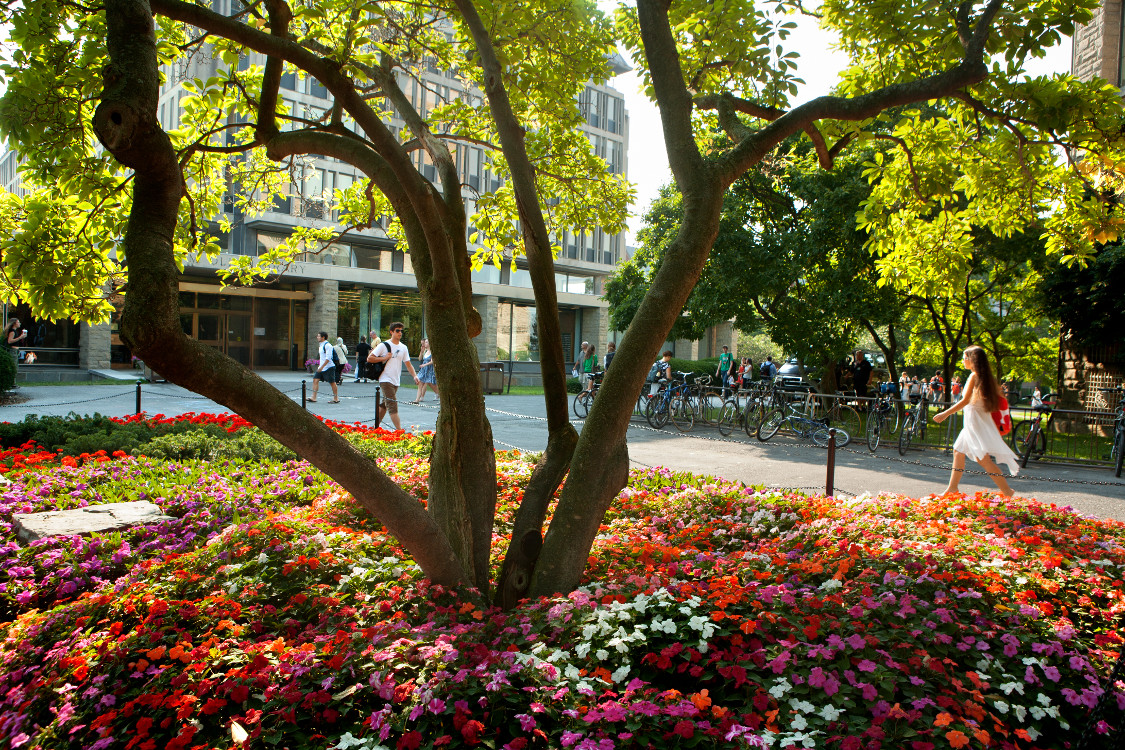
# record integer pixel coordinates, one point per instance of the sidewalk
(519, 422)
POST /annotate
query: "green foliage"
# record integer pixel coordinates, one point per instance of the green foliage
(250, 445)
(1087, 301)
(7, 372)
(74, 434)
(60, 249)
(573, 385)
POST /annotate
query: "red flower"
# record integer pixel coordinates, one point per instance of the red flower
(410, 741)
(471, 731)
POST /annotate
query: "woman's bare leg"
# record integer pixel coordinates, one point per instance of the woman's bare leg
(433, 387)
(958, 470)
(421, 392)
(994, 472)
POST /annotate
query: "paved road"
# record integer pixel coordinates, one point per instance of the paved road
(517, 421)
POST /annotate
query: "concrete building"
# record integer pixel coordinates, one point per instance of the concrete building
(361, 282)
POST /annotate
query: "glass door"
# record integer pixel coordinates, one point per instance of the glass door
(238, 337)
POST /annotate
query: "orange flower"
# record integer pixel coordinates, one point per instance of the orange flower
(957, 739)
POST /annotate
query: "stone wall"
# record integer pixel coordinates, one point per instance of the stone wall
(93, 346)
(1096, 51)
(1082, 371)
(323, 312)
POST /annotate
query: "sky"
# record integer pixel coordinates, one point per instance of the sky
(819, 65)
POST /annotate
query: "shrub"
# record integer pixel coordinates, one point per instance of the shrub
(696, 366)
(573, 385)
(7, 372)
(215, 444)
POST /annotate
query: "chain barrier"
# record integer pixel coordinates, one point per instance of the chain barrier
(71, 403)
(1058, 480)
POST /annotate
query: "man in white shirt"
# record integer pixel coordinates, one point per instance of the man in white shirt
(392, 373)
(326, 370)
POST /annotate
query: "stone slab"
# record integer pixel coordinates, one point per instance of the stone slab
(91, 519)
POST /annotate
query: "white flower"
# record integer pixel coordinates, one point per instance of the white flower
(830, 585)
(781, 688)
(620, 673)
(802, 706)
(581, 650)
(263, 558)
(1044, 699)
(1001, 706)
(1021, 713)
(601, 654)
(1037, 712)
(798, 722)
(572, 672)
(830, 713)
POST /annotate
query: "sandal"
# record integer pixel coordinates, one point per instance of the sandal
(311, 400)
(336, 401)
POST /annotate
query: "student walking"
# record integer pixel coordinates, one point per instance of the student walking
(326, 370)
(980, 438)
(427, 378)
(392, 373)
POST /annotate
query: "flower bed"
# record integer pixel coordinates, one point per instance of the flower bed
(714, 615)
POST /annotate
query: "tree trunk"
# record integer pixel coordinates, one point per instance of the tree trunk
(126, 124)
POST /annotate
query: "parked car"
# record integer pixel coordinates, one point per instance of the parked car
(795, 377)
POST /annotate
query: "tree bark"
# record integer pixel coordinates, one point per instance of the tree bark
(126, 124)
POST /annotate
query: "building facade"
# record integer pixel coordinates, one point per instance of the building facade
(362, 282)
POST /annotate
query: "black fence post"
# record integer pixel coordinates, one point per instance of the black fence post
(138, 397)
(304, 393)
(831, 461)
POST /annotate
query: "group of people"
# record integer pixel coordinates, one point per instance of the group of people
(372, 352)
(914, 387)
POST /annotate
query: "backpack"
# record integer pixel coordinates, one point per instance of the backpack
(654, 372)
(375, 369)
(335, 358)
(764, 369)
(1003, 417)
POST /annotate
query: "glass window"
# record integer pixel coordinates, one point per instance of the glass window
(490, 274)
(520, 277)
(370, 257)
(209, 302)
(577, 284)
(316, 88)
(187, 299)
(271, 332)
(560, 282)
(517, 333)
(405, 308)
(289, 81)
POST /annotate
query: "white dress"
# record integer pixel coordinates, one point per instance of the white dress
(980, 437)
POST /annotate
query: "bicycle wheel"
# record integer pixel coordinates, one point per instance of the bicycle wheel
(846, 417)
(582, 404)
(642, 402)
(709, 407)
(874, 430)
(821, 437)
(752, 418)
(656, 412)
(1028, 441)
(892, 419)
(906, 435)
(728, 417)
(682, 412)
(770, 425)
(1119, 442)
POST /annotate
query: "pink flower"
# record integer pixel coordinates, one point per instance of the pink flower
(867, 666)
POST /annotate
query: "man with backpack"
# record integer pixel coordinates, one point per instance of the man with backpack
(768, 370)
(326, 370)
(661, 370)
(393, 360)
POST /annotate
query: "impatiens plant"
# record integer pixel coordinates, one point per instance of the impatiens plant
(714, 615)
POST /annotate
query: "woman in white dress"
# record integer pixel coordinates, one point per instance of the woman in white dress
(979, 439)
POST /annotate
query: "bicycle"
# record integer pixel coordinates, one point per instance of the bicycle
(1029, 436)
(839, 414)
(801, 426)
(584, 398)
(669, 403)
(1117, 449)
(914, 424)
(879, 420)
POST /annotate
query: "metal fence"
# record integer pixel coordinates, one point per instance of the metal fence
(1074, 436)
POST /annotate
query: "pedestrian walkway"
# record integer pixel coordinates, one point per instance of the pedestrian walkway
(520, 422)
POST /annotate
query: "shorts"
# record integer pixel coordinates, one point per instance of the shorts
(390, 396)
(327, 375)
